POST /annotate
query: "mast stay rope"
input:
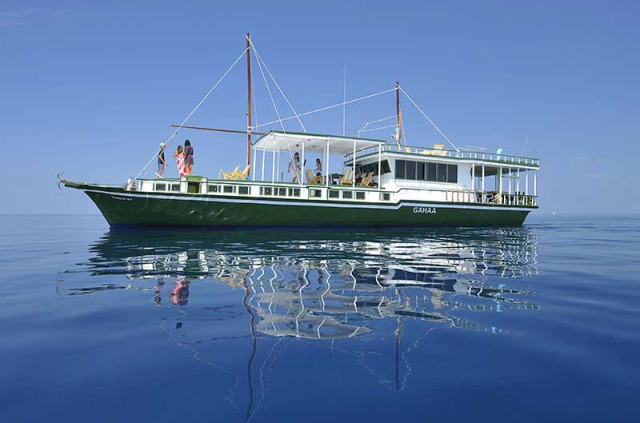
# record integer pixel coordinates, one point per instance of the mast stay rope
(326, 108)
(193, 111)
(427, 117)
(266, 84)
(273, 102)
(255, 51)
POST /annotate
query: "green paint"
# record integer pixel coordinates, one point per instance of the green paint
(121, 207)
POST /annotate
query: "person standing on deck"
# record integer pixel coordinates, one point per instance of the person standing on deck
(188, 156)
(294, 167)
(179, 155)
(318, 169)
(161, 162)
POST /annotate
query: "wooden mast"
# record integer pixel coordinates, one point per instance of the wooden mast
(398, 115)
(248, 100)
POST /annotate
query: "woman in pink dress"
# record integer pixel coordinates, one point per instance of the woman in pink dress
(182, 169)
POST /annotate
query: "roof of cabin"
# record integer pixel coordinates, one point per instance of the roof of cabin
(338, 144)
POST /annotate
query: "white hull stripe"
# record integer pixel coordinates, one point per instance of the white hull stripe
(309, 203)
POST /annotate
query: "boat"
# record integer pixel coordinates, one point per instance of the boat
(382, 182)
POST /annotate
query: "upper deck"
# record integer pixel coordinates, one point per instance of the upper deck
(477, 156)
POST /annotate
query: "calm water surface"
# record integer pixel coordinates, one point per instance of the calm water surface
(539, 323)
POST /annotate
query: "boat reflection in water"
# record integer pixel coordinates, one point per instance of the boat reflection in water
(321, 285)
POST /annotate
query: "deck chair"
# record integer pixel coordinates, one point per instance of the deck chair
(311, 178)
(231, 175)
(241, 176)
(438, 150)
(366, 180)
(347, 178)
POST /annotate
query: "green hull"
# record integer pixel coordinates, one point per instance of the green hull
(121, 207)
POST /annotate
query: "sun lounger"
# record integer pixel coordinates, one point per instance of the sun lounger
(231, 175)
(311, 179)
(347, 178)
(366, 180)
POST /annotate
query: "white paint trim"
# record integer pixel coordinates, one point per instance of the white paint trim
(306, 203)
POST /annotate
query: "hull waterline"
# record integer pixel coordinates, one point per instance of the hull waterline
(125, 208)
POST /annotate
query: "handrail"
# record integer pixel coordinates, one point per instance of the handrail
(424, 151)
(481, 197)
(461, 195)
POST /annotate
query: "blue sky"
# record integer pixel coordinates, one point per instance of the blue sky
(90, 88)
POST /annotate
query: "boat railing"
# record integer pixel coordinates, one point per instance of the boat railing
(435, 152)
(475, 196)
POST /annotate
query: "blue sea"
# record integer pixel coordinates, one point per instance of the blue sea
(530, 324)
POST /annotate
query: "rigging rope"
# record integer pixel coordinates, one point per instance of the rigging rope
(326, 108)
(266, 84)
(255, 51)
(375, 121)
(404, 133)
(193, 111)
(430, 121)
(264, 78)
(377, 129)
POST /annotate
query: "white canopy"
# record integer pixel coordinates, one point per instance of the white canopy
(293, 141)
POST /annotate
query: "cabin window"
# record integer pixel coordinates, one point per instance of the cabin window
(175, 187)
(347, 194)
(442, 172)
(228, 189)
(161, 187)
(315, 193)
(400, 169)
(266, 190)
(359, 195)
(213, 188)
(294, 192)
(410, 172)
(432, 172)
(243, 190)
(282, 192)
(334, 193)
(385, 196)
(420, 171)
(373, 167)
(452, 173)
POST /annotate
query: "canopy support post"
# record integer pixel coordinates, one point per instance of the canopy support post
(518, 187)
(500, 184)
(353, 166)
(483, 193)
(379, 166)
(326, 164)
(273, 166)
(253, 168)
(473, 177)
(301, 170)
